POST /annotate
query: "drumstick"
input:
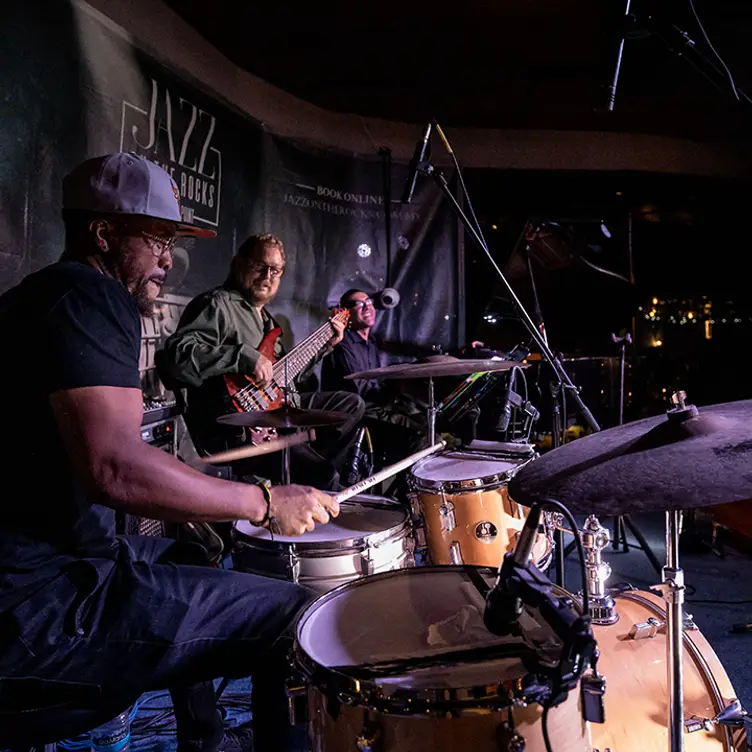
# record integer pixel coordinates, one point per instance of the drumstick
(254, 451)
(387, 472)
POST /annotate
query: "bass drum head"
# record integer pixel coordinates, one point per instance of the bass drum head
(457, 470)
(360, 518)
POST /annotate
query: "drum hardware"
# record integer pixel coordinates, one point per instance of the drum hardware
(455, 553)
(520, 584)
(446, 515)
(602, 605)
(442, 365)
(660, 463)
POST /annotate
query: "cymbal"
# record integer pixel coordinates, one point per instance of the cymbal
(448, 367)
(284, 417)
(656, 464)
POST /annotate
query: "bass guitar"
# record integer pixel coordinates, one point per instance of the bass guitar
(247, 396)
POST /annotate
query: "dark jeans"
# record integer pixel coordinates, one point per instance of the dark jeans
(319, 464)
(147, 623)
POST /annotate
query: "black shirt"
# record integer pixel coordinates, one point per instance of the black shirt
(352, 355)
(64, 327)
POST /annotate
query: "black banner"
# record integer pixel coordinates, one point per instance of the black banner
(75, 86)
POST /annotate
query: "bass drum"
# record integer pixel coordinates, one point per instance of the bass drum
(636, 696)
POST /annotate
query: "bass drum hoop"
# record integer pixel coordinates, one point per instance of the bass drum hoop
(423, 703)
(484, 483)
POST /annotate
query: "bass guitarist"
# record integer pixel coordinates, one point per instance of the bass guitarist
(219, 334)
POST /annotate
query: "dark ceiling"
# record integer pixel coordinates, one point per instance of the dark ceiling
(516, 64)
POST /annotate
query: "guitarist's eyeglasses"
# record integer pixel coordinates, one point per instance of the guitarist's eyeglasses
(274, 271)
(361, 303)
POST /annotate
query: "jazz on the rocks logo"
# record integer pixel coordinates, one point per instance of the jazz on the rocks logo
(177, 135)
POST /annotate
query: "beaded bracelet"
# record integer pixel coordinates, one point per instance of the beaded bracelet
(267, 491)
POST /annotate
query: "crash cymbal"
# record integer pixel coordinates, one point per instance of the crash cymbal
(678, 460)
(284, 417)
(436, 369)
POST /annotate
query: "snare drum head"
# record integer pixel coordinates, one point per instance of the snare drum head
(359, 517)
(457, 468)
(408, 614)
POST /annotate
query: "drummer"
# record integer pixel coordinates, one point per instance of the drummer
(93, 619)
(396, 419)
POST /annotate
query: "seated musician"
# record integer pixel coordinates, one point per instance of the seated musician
(90, 620)
(395, 413)
(219, 333)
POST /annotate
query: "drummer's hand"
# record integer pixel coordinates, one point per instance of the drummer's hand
(339, 332)
(297, 509)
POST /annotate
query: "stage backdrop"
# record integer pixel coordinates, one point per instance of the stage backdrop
(75, 86)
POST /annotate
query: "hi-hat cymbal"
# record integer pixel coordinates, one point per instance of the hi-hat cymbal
(284, 417)
(656, 464)
(448, 367)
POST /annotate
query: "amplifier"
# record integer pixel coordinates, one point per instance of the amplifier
(160, 433)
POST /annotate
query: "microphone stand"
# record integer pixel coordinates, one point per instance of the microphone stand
(563, 377)
(564, 381)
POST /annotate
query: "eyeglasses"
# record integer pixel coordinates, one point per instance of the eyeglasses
(361, 303)
(274, 271)
(157, 244)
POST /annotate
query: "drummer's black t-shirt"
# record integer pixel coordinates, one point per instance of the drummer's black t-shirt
(64, 327)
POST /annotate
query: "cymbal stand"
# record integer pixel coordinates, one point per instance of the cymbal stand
(569, 389)
(433, 411)
(672, 589)
(623, 522)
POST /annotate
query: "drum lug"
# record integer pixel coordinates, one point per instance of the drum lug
(645, 629)
(369, 738)
(446, 516)
(455, 553)
(366, 563)
(293, 566)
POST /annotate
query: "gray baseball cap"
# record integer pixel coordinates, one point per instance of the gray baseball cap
(127, 184)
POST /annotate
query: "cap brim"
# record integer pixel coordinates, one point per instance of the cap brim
(191, 231)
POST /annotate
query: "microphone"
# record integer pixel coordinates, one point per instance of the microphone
(503, 608)
(506, 411)
(356, 456)
(617, 69)
(524, 548)
(419, 155)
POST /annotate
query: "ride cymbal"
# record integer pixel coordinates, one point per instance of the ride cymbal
(448, 367)
(686, 458)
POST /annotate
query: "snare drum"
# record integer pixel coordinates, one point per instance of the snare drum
(636, 697)
(465, 512)
(370, 657)
(371, 534)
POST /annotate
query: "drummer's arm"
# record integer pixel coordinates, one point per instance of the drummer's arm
(205, 345)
